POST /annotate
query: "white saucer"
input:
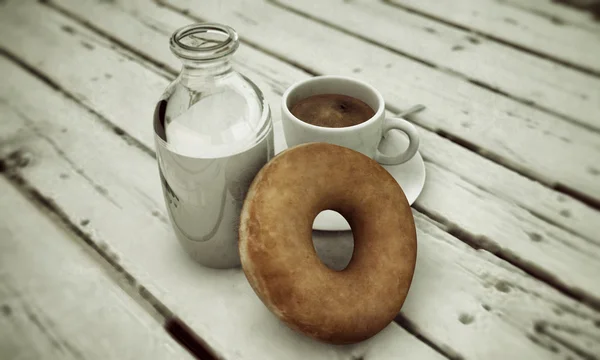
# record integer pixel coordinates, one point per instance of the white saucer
(410, 175)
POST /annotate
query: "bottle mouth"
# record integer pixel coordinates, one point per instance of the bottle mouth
(204, 41)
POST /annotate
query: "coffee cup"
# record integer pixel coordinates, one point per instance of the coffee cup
(363, 137)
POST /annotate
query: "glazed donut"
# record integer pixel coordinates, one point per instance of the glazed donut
(279, 259)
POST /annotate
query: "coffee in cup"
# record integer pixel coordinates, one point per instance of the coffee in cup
(332, 110)
(342, 111)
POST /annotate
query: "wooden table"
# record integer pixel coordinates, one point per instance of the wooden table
(508, 223)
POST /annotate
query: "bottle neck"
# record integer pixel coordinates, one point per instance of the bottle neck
(193, 69)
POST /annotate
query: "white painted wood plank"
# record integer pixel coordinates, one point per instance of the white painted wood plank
(452, 282)
(484, 221)
(491, 297)
(111, 191)
(507, 225)
(515, 134)
(570, 44)
(558, 13)
(540, 201)
(559, 89)
(56, 302)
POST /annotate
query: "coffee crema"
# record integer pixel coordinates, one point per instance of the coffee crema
(332, 110)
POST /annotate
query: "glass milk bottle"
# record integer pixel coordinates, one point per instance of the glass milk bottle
(213, 133)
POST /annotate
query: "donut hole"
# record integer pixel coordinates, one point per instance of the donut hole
(334, 248)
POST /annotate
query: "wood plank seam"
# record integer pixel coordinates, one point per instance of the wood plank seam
(494, 38)
(187, 338)
(253, 44)
(175, 327)
(498, 159)
(45, 300)
(553, 18)
(8, 167)
(584, 198)
(430, 64)
(412, 328)
(541, 327)
(155, 64)
(122, 49)
(186, 14)
(116, 129)
(480, 242)
(537, 214)
(591, 6)
(558, 88)
(553, 285)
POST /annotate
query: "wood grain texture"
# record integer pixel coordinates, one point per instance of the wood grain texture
(528, 78)
(510, 132)
(492, 298)
(505, 212)
(559, 12)
(56, 302)
(467, 303)
(110, 190)
(569, 44)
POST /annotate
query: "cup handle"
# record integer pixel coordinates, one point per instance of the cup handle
(413, 138)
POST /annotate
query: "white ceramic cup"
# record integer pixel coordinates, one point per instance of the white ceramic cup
(364, 137)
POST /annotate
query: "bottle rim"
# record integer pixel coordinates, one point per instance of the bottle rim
(207, 49)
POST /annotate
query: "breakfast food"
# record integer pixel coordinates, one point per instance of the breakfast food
(281, 264)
